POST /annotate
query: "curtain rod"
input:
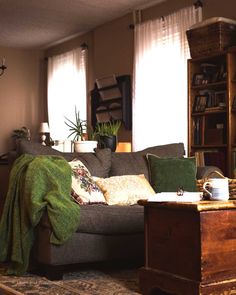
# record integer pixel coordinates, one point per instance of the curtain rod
(196, 4)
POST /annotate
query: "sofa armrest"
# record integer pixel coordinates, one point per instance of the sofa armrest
(205, 171)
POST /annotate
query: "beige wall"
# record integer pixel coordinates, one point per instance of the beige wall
(22, 96)
(225, 8)
(113, 48)
(22, 100)
(23, 90)
(113, 54)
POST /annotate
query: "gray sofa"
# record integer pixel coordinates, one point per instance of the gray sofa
(105, 233)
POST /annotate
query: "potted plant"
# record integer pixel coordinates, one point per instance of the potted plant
(19, 134)
(107, 134)
(78, 129)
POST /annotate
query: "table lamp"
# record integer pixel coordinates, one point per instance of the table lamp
(123, 147)
(43, 129)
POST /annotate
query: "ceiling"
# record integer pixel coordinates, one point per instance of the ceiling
(42, 23)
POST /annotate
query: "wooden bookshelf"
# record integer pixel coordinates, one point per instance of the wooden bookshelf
(212, 111)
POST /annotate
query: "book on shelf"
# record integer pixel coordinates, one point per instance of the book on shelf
(197, 131)
(234, 161)
(214, 98)
(199, 104)
(199, 156)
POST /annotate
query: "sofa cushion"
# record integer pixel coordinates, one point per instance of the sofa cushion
(107, 220)
(170, 174)
(111, 220)
(84, 188)
(98, 163)
(125, 189)
(134, 163)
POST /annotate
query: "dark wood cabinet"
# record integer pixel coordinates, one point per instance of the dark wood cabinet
(116, 108)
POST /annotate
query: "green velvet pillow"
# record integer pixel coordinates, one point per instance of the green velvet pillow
(169, 174)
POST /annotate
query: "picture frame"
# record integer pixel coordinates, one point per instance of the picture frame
(220, 98)
(198, 79)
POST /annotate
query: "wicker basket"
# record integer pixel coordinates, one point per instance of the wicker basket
(211, 39)
(232, 185)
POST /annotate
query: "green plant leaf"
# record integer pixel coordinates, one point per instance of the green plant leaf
(78, 127)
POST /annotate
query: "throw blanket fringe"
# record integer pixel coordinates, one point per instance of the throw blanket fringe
(37, 183)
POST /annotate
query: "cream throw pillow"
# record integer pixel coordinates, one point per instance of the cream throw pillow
(125, 189)
(84, 188)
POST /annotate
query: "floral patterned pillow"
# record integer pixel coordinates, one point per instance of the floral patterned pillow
(84, 188)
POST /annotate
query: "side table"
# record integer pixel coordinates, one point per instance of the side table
(190, 248)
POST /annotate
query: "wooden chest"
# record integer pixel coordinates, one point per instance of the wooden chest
(190, 248)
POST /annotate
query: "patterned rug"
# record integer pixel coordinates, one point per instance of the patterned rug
(84, 282)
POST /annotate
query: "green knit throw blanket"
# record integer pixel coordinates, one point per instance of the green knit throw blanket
(37, 183)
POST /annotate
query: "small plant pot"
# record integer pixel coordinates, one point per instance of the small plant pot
(108, 142)
(85, 146)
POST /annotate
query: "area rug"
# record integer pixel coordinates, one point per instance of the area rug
(84, 282)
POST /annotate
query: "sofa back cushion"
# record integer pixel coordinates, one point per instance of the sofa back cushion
(135, 163)
(98, 163)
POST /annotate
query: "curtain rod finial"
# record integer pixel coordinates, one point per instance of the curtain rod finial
(84, 46)
(198, 3)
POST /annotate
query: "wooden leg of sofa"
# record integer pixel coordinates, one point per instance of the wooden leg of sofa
(53, 273)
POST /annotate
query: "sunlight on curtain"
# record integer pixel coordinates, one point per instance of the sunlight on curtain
(160, 79)
(66, 89)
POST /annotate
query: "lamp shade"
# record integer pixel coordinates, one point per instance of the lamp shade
(44, 128)
(123, 147)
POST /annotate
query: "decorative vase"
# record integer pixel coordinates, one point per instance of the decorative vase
(108, 142)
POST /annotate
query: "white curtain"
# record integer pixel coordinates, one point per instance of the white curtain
(66, 90)
(160, 79)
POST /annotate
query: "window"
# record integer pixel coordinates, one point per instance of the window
(160, 79)
(66, 90)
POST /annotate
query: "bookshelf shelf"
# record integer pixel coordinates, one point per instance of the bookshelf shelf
(209, 85)
(209, 146)
(210, 112)
(212, 120)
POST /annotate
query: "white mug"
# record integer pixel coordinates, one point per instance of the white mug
(219, 189)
